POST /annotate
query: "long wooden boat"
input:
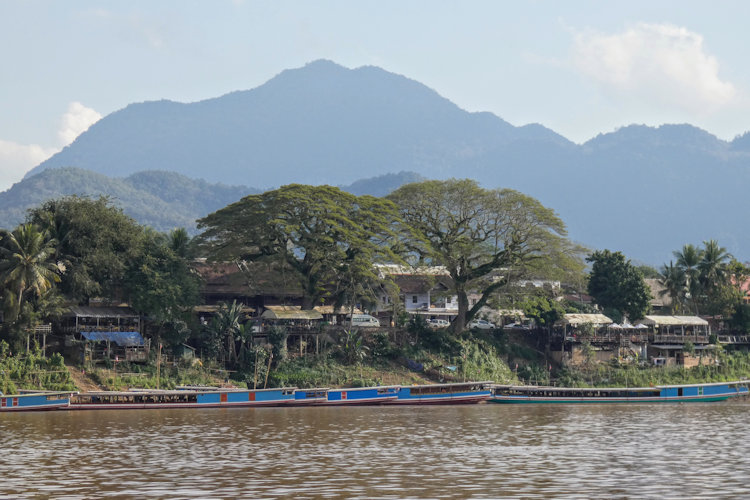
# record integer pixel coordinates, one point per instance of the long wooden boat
(35, 401)
(361, 395)
(720, 391)
(305, 397)
(454, 393)
(203, 398)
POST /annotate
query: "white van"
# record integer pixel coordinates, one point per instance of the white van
(364, 320)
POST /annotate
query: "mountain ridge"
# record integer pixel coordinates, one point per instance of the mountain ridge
(326, 124)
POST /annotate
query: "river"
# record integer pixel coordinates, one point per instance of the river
(480, 451)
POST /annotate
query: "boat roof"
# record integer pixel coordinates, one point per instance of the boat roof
(365, 388)
(203, 388)
(176, 392)
(655, 387)
(452, 384)
(580, 389)
(26, 393)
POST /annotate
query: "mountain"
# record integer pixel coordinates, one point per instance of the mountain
(643, 190)
(162, 200)
(318, 124)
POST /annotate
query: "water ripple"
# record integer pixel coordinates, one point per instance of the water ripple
(483, 451)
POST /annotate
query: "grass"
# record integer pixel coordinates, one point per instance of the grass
(33, 371)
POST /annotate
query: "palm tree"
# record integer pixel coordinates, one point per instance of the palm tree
(688, 261)
(26, 264)
(179, 242)
(713, 265)
(674, 281)
(226, 326)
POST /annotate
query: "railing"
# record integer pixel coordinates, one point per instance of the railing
(681, 339)
(70, 330)
(734, 339)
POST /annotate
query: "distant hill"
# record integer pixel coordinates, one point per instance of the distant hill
(382, 185)
(162, 200)
(643, 190)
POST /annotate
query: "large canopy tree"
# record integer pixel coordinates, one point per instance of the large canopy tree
(484, 238)
(617, 285)
(328, 238)
(160, 284)
(95, 243)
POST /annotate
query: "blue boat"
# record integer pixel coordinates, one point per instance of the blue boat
(689, 393)
(35, 401)
(455, 393)
(201, 398)
(310, 396)
(362, 395)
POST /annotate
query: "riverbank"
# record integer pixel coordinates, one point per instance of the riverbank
(363, 358)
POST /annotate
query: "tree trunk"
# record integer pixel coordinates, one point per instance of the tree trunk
(307, 302)
(459, 324)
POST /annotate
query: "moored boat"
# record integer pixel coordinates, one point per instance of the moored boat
(719, 391)
(208, 398)
(303, 397)
(454, 393)
(362, 395)
(35, 401)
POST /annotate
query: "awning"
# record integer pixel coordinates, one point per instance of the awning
(123, 339)
(340, 310)
(214, 308)
(290, 312)
(581, 319)
(674, 321)
(100, 312)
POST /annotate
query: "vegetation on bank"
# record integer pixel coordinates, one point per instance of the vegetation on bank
(32, 371)
(729, 366)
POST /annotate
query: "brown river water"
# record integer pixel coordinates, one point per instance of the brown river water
(474, 451)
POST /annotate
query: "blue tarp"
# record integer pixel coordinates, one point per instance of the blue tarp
(125, 339)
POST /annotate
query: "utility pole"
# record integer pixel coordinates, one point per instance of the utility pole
(158, 367)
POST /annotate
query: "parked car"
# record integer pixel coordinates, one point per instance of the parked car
(516, 326)
(482, 324)
(364, 320)
(438, 323)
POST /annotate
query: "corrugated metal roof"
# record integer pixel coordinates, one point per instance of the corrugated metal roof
(212, 308)
(290, 312)
(340, 310)
(674, 321)
(124, 339)
(101, 312)
(580, 319)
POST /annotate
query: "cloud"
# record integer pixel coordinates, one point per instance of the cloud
(658, 64)
(17, 159)
(76, 121)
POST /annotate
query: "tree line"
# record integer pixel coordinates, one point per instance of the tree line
(73, 249)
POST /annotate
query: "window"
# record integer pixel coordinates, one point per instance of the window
(413, 299)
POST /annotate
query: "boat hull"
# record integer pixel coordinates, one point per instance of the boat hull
(143, 400)
(444, 394)
(693, 393)
(34, 402)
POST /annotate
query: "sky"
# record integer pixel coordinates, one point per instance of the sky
(580, 68)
